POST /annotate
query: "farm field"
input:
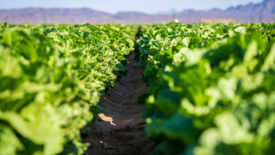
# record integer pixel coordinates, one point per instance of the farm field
(51, 80)
(210, 88)
(183, 89)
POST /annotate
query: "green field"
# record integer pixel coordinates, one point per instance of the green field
(51, 79)
(210, 87)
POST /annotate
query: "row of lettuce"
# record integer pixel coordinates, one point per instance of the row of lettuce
(51, 79)
(210, 88)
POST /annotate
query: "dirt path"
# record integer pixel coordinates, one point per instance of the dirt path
(119, 130)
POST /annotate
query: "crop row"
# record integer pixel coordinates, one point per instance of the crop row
(51, 79)
(210, 88)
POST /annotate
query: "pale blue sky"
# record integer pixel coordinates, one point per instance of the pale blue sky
(113, 6)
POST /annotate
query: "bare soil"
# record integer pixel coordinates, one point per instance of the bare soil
(119, 130)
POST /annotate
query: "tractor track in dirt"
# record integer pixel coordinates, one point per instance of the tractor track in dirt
(119, 130)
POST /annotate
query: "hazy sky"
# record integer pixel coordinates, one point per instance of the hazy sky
(113, 6)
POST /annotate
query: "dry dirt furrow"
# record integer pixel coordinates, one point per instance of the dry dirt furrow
(119, 130)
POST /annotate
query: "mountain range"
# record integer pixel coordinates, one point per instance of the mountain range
(259, 12)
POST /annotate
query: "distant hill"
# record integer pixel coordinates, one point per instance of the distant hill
(264, 9)
(54, 15)
(264, 12)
